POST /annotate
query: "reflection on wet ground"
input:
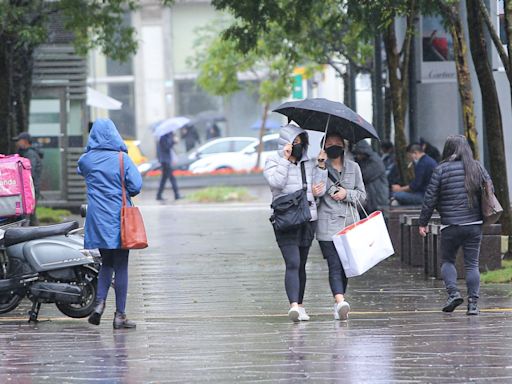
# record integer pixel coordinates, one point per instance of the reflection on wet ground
(210, 305)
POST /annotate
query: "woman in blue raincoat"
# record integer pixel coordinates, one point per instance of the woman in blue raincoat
(100, 166)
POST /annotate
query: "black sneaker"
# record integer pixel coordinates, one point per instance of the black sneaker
(472, 307)
(454, 300)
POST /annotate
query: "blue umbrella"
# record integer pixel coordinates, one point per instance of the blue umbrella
(269, 124)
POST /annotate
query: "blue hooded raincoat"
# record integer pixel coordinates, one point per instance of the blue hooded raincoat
(100, 167)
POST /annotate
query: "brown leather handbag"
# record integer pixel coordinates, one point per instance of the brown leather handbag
(133, 233)
(491, 207)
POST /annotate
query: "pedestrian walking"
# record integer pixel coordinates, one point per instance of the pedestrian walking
(455, 190)
(374, 177)
(338, 209)
(165, 155)
(284, 172)
(27, 150)
(212, 131)
(100, 166)
(190, 136)
(412, 194)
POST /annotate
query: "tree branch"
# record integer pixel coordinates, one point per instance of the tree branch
(495, 38)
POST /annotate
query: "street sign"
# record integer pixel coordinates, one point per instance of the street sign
(298, 90)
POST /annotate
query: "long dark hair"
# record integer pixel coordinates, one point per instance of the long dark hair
(457, 148)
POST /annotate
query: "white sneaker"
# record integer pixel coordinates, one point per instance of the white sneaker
(303, 316)
(341, 310)
(293, 314)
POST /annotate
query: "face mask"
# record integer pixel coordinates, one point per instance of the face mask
(297, 151)
(335, 151)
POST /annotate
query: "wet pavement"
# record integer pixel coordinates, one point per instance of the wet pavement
(209, 302)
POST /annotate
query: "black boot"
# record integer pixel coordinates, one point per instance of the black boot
(120, 321)
(95, 317)
(472, 307)
(454, 300)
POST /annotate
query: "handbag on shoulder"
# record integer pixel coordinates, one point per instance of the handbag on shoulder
(491, 207)
(133, 233)
(292, 210)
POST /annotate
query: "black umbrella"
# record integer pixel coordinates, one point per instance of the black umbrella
(322, 114)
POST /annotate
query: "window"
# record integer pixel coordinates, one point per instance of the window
(241, 144)
(125, 117)
(270, 145)
(222, 146)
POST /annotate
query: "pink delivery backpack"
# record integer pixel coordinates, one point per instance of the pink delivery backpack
(17, 195)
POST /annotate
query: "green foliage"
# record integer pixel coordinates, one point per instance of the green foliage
(220, 195)
(502, 275)
(52, 216)
(220, 62)
(93, 23)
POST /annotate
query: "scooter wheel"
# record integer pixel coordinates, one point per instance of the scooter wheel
(9, 301)
(88, 281)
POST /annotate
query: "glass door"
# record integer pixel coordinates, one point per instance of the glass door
(47, 125)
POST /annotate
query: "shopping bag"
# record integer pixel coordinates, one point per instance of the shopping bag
(363, 244)
(133, 232)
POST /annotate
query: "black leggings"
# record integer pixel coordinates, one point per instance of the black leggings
(337, 279)
(295, 258)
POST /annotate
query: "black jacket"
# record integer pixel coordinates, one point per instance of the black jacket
(447, 193)
(35, 157)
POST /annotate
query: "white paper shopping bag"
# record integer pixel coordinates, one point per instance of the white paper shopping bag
(364, 244)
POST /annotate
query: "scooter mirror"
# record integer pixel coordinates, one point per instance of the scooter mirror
(83, 210)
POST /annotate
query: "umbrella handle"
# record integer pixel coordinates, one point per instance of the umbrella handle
(326, 129)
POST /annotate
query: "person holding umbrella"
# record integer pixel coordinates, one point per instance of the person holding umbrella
(164, 135)
(284, 173)
(338, 209)
(345, 183)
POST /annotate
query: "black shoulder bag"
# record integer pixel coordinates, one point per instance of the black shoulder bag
(292, 210)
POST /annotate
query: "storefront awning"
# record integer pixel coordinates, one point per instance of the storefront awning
(100, 100)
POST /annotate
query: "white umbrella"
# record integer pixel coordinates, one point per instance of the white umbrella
(170, 125)
(100, 100)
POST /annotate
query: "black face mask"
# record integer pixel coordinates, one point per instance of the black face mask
(335, 151)
(297, 151)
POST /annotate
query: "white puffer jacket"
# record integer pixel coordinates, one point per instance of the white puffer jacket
(284, 177)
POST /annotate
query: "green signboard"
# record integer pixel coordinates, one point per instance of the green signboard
(298, 91)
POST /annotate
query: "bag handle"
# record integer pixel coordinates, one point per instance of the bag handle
(121, 164)
(303, 173)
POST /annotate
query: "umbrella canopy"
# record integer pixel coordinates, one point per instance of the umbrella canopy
(322, 114)
(170, 125)
(100, 100)
(269, 124)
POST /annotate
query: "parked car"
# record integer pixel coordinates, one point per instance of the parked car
(238, 154)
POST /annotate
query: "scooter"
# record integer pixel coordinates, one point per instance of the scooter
(47, 265)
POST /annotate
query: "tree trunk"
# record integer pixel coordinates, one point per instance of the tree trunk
(15, 91)
(452, 16)
(262, 133)
(388, 113)
(399, 99)
(492, 114)
(378, 99)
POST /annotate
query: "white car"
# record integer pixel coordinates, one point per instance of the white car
(240, 154)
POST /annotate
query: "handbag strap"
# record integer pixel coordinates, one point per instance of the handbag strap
(121, 164)
(333, 179)
(304, 179)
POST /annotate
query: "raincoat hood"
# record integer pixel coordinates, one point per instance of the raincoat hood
(104, 135)
(364, 148)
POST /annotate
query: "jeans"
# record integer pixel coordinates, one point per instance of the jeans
(114, 261)
(337, 279)
(409, 198)
(167, 173)
(469, 237)
(295, 258)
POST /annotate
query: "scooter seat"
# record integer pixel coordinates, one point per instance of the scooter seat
(18, 235)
